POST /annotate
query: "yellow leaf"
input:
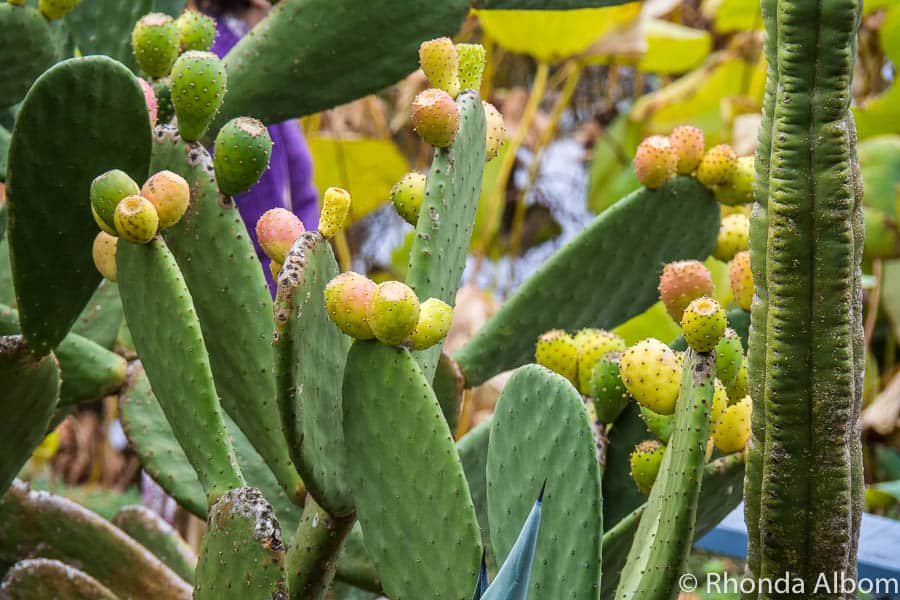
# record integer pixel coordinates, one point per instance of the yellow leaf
(733, 15)
(673, 48)
(654, 322)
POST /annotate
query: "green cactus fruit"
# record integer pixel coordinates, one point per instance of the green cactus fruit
(733, 431)
(739, 189)
(741, 280)
(739, 387)
(104, 253)
(435, 317)
(435, 117)
(347, 298)
(729, 356)
(198, 88)
(703, 324)
(607, 390)
(440, 62)
(57, 9)
(242, 152)
(154, 42)
(688, 144)
(657, 424)
(107, 191)
(196, 31)
(733, 237)
(593, 344)
(646, 459)
(393, 312)
(164, 109)
(557, 351)
(407, 195)
(719, 405)
(681, 283)
(651, 372)
(654, 161)
(717, 166)
(136, 220)
(170, 194)
(276, 232)
(472, 59)
(17, 2)
(335, 211)
(496, 131)
(150, 100)
(274, 269)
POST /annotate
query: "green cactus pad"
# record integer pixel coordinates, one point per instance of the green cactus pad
(541, 432)
(356, 566)
(7, 293)
(198, 83)
(310, 356)
(681, 218)
(27, 49)
(448, 388)
(410, 491)
(101, 318)
(441, 244)
(473, 451)
(5, 136)
(620, 495)
(64, 127)
(38, 524)
(313, 555)
(155, 534)
(104, 27)
(44, 579)
(242, 151)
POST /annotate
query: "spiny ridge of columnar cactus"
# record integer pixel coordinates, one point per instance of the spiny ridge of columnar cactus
(681, 282)
(734, 236)
(496, 131)
(104, 253)
(107, 190)
(645, 460)
(471, 65)
(154, 41)
(56, 9)
(276, 231)
(198, 84)
(688, 144)
(440, 62)
(170, 194)
(655, 161)
(435, 117)
(335, 211)
(196, 31)
(407, 195)
(651, 373)
(242, 152)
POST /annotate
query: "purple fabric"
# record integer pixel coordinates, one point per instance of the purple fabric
(288, 182)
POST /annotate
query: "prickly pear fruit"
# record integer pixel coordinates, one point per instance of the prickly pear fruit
(607, 390)
(198, 88)
(652, 374)
(717, 166)
(107, 190)
(17, 2)
(719, 404)
(496, 131)
(196, 31)
(703, 324)
(742, 280)
(435, 317)
(104, 253)
(242, 152)
(682, 282)
(646, 459)
(335, 211)
(276, 232)
(393, 312)
(688, 145)
(435, 117)
(274, 269)
(654, 161)
(471, 65)
(440, 62)
(136, 219)
(729, 356)
(740, 209)
(738, 388)
(170, 194)
(739, 189)
(407, 195)
(657, 424)
(733, 431)
(347, 298)
(154, 42)
(149, 100)
(557, 351)
(593, 344)
(56, 9)
(733, 237)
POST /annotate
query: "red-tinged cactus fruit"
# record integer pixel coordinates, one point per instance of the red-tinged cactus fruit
(107, 190)
(733, 431)
(196, 31)
(440, 62)
(688, 143)
(472, 59)
(738, 190)
(104, 254)
(150, 100)
(729, 356)
(154, 42)
(407, 195)
(717, 166)
(556, 350)
(495, 131)
(719, 405)
(733, 237)
(170, 194)
(335, 211)
(347, 299)
(197, 84)
(651, 373)
(435, 117)
(593, 344)
(275, 269)
(56, 9)
(742, 280)
(136, 220)
(242, 152)
(435, 318)
(738, 388)
(654, 161)
(276, 232)
(645, 461)
(682, 282)
(703, 324)
(393, 312)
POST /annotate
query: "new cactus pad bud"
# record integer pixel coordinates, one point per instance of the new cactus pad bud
(347, 298)
(393, 312)
(557, 351)
(733, 237)
(335, 211)
(729, 356)
(717, 166)
(688, 144)
(164, 109)
(719, 404)
(274, 269)
(154, 42)
(136, 219)
(472, 59)
(435, 318)
(435, 117)
(654, 161)
(198, 88)
(276, 232)
(407, 195)
(170, 194)
(104, 253)
(739, 387)
(739, 189)
(733, 431)
(149, 100)
(703, 324)
(56, 9)
(657, 424)
(645, 461)
(107, 190)
(607, 390)
(652, 374)
(495, 131)
(592, 345)
(242, 152)
(681, 282)
(440, 62)
(196, 31)
(741, 280)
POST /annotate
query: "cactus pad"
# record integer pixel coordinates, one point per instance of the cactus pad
(154, 533)
(27, 48)
(104, 27)
(44, 579)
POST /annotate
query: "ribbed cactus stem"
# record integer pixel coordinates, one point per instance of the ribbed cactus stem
(312, 557)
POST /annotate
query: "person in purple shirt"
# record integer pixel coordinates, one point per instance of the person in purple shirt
(288, 182)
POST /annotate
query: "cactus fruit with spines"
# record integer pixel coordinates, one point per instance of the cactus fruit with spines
(57, 9)
(335, 211)
(592, 345)
(703, 323)
(107, 190)
(277, 230)
(733, 430)
(150, 101)
(557, 351)
(440, 62)
(688, 144)
(739, 189)
(136, 219)
(198, 84)
(155, 43)
(655, 161)
(104, 253)
(652, 374)
(435, 117)
(742, 281)
(734, 237)
(729, 356)
(347, 299)
(435, 317)
(646, 458)
(407, 195)
(170, 195)
(196, 31)
(393, 312)
(607, 390)
(682, 282)
(717, 166)
(243, 148)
